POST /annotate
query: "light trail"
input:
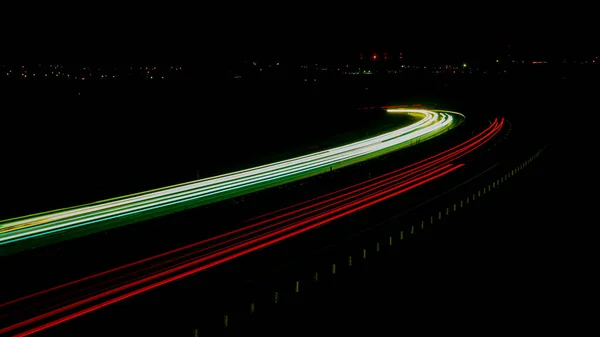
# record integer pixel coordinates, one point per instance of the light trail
(155, 271)
(25, 232)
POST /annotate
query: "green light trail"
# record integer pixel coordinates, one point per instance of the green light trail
(43, 228)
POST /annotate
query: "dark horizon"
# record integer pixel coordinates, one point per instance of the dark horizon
(437, 43)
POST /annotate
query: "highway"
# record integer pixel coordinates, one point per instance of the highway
(60, 303)
(50, 227)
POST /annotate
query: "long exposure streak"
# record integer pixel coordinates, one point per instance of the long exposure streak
(47, 308)
(38, 229)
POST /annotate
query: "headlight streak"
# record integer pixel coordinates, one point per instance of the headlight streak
(243, 182)
(153, 204)
(223, 178)
(229, 185)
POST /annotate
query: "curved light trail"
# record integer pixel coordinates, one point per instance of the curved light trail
(38, 229)
(44, 309)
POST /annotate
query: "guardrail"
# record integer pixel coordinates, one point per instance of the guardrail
(359, 254)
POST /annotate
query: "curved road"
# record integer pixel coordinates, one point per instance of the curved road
(43, 309)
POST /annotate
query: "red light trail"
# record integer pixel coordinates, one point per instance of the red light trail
(190, 259)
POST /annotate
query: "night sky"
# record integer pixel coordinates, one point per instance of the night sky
(299, 32)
